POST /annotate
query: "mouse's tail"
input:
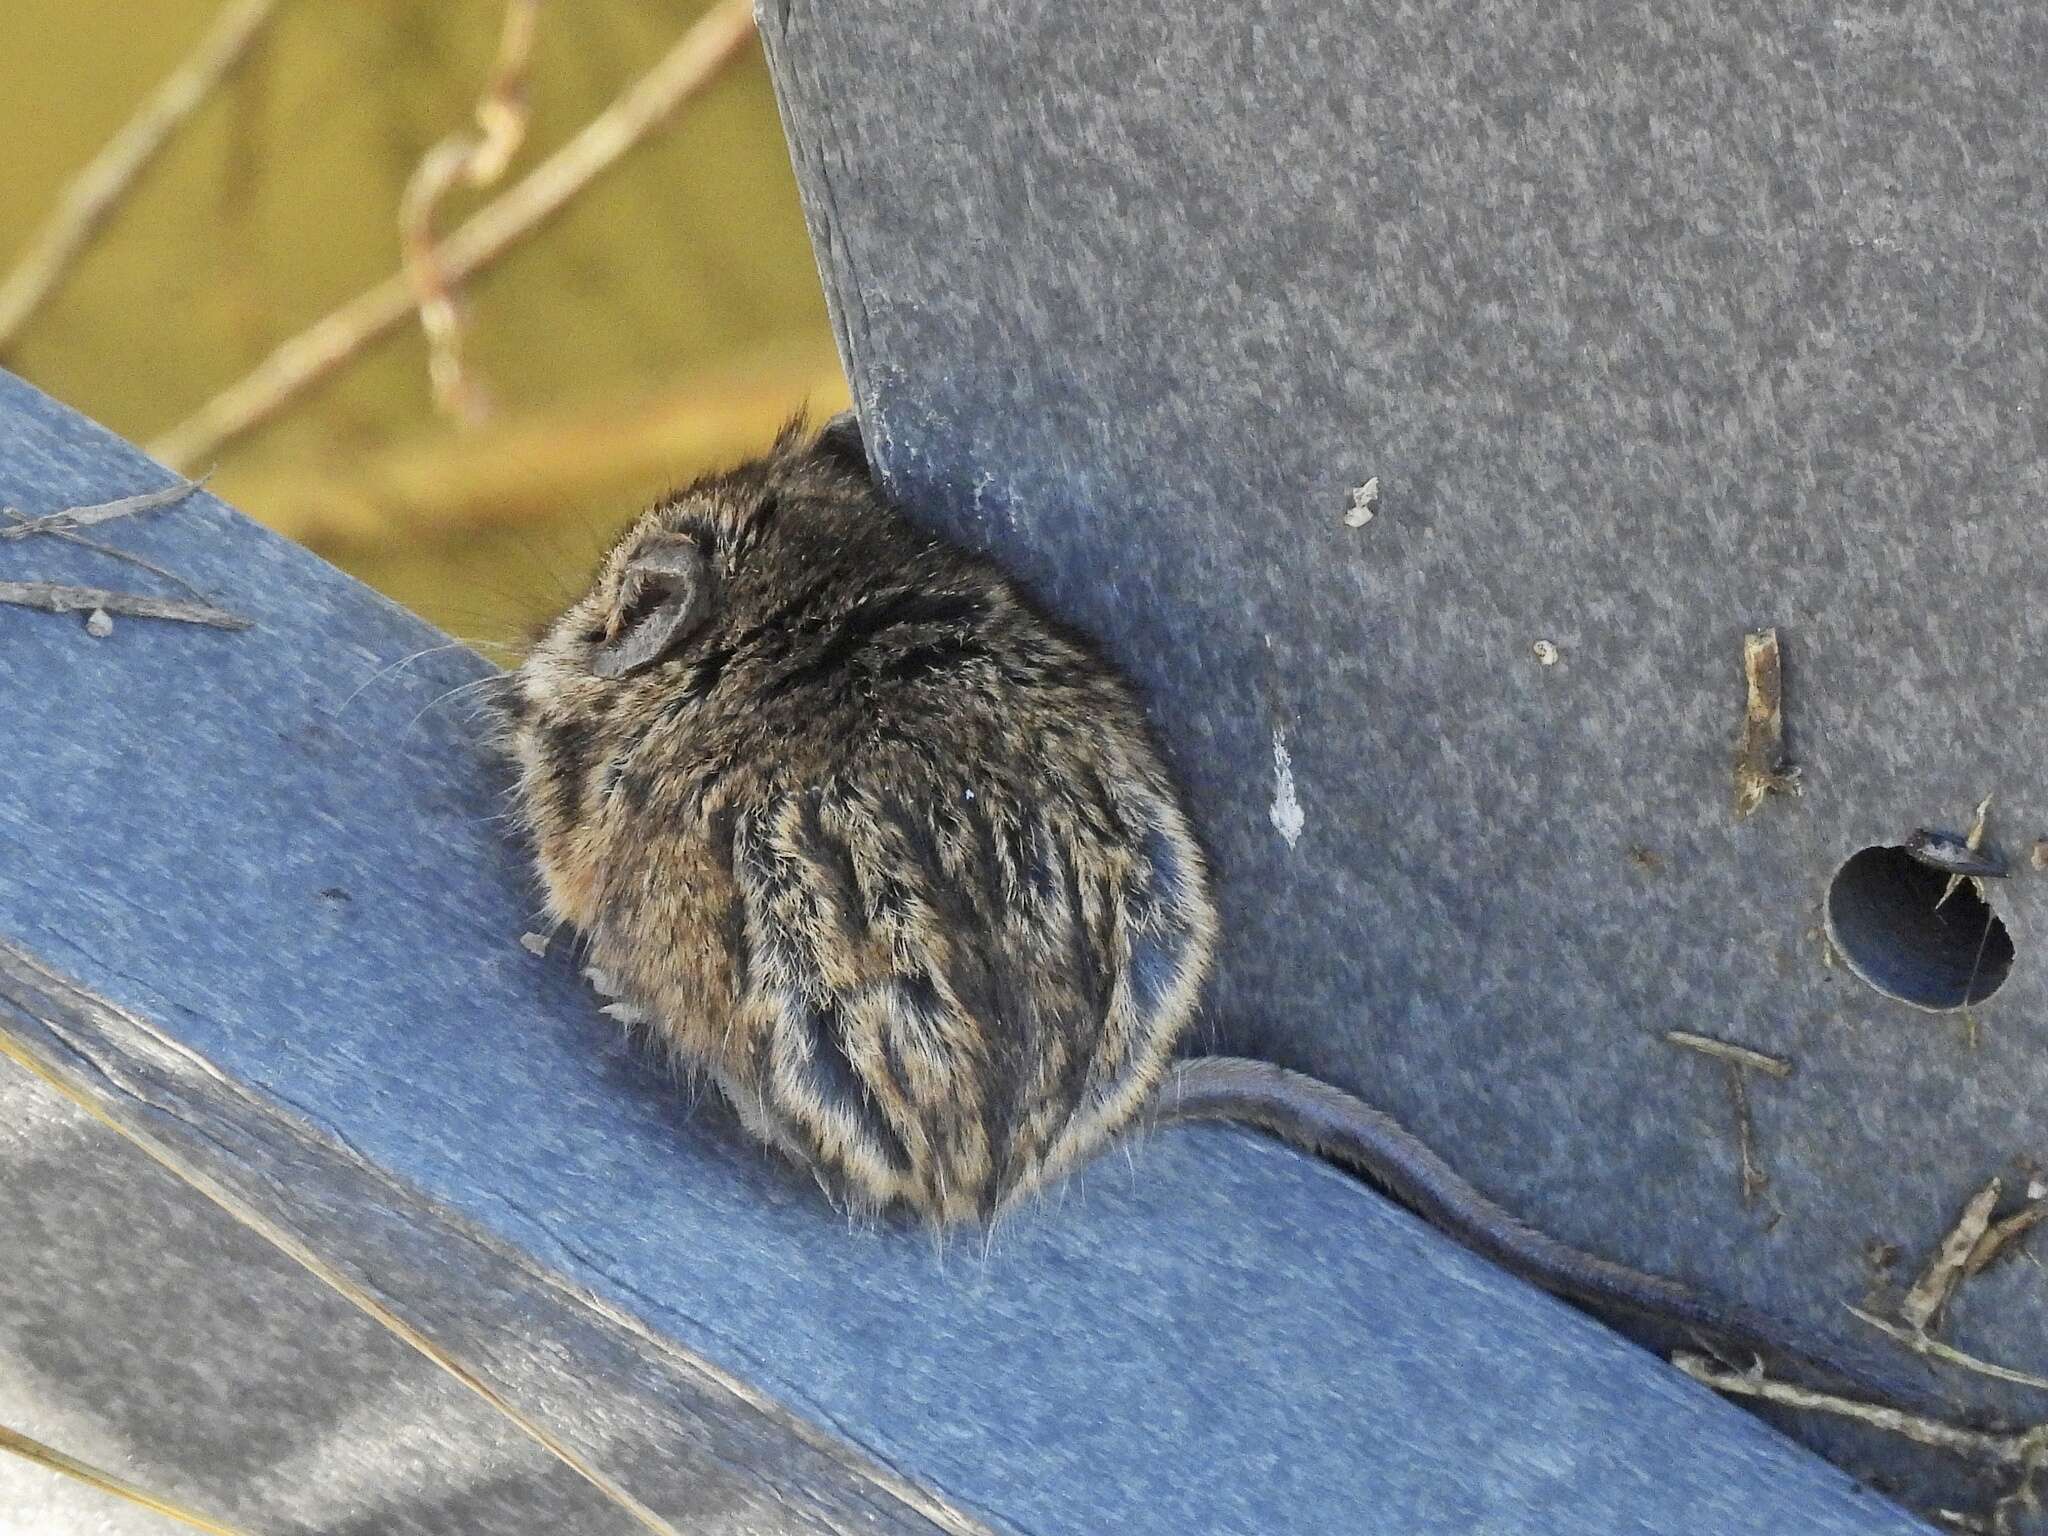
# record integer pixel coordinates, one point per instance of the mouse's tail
(1342, 1129)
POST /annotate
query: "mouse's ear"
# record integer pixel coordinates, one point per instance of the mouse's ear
(665, 596)
(840, 441)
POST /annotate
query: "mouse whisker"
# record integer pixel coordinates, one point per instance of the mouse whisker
(399, 665)
(496, 679)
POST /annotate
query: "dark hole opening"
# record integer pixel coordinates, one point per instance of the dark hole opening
(1884, 919)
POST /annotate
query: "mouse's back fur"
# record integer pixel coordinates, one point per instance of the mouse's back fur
(881, 849)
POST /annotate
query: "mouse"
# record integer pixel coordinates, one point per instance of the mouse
(859, 833)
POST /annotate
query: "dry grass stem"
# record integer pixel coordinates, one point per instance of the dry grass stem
(93, 195)
(1739, 1060)
(70, 1466)
(71, 519)
(1738, 1055)
(2002, 1234)
(1934, 1349)
(2015, 1449)
(516, 215)
(2026, 1450)
(1930, 1293)
(474, 159)
(1754, 1181)
(103, 549)
(51, 597)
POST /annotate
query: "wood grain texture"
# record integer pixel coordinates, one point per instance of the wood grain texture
(676, 1443)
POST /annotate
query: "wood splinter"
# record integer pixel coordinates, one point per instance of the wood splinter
(1944, 1272)
(1760, 766)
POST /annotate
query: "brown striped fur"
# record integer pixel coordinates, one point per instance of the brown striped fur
(875, 845)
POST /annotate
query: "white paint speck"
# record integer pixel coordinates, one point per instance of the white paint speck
(1545, 652)
(1364, 502)
(534, 943)
(1286, 812)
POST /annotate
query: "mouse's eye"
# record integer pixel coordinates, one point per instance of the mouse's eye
(665, 596)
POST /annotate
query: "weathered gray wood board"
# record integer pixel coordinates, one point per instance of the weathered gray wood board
(259, 908)
(145, 1329)
(1655, 326)
(677, 1444)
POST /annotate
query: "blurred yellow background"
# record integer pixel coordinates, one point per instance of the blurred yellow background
(664, 324)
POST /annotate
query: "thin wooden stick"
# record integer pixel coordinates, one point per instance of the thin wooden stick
(525, 469)
(325, 346)
(53, 598)
(2016, 1449)
(1944, 1272)
(2001, 1234)
(475, 158)
(70, 1466)
(105, 549)
(1922, 1344)
(71, 519)
(1735, 1055)
(1754, 1180)
(93, 195)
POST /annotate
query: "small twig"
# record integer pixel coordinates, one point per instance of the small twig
(93, 195)
(1739, 1060)
(101, 549)
(1922, 1344)
(70, 1466)
(71, 519)
(475, 159)
(1930, 1293)
(1754, 1182)
(1760, 767)
(2020, 1448)
(52, 598)
(1736, 1055)
(316, 352)
(2001, 1234)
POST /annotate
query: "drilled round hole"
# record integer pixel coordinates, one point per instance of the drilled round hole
(1887, 919)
